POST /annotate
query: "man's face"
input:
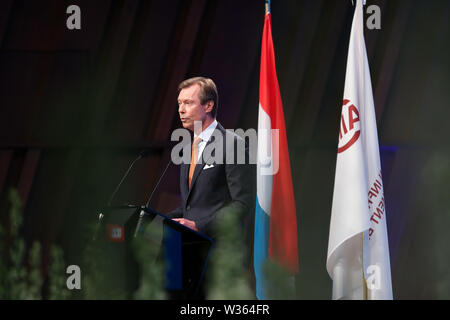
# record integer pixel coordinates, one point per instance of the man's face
(190, 107)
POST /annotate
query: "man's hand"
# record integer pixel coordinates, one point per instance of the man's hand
(188, 223)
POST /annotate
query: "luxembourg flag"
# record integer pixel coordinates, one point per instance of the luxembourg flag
(275, 216)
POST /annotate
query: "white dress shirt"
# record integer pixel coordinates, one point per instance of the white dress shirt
(205, 135)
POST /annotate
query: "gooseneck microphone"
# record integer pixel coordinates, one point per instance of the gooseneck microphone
(159, 181)
(142, 213)
(142, 154)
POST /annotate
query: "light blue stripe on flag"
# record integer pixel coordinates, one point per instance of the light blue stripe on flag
(261, 249)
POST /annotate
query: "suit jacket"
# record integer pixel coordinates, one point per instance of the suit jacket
(217, 188)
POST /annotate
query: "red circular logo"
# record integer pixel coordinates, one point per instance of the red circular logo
(349, 131)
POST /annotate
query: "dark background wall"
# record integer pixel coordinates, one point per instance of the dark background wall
(77, 106)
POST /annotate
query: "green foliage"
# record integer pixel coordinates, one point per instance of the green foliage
(152, 276)
(100, 276)
(15, 213)
(20, 272)
(280, 286)
(14, 281)
(34, 275)
(228, 277)
(105, 274)
(124, 270)
(16, 285)
(57, 289)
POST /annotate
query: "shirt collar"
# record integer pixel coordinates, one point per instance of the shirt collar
(207, 133)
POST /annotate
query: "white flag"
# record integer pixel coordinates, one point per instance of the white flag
(358, 250)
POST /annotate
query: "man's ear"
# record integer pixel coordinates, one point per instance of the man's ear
(209, 106)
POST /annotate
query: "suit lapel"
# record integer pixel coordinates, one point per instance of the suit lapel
(184, 179)
(199, 167)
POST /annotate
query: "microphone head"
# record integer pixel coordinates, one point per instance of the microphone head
(144, 153)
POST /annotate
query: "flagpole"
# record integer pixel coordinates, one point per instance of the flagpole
(364, 278)
(364, 3)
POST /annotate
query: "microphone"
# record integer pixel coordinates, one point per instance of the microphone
(142, 213)
(144, 153)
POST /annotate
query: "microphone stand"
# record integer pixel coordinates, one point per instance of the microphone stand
(143, 212)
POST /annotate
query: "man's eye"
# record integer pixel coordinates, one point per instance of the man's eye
(186, 103)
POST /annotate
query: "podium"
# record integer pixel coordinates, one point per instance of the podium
(183, 252)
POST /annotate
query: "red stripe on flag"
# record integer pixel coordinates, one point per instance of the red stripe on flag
(283, 219)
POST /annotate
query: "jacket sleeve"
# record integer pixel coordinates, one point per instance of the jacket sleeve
(177, 213)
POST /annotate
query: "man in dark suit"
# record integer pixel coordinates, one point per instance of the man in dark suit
(210, 186)
(214, 184)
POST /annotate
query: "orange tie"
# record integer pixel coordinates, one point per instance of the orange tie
(194, 157)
